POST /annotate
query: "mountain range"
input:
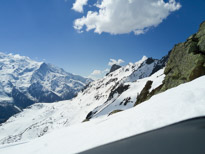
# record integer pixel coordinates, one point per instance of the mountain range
(24, 82)
(116, 91)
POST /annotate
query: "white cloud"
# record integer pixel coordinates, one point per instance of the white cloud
(124, 16)
(78, 5)
(113, 61)
(96, 72)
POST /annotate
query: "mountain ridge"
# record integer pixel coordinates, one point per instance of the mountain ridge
(25, 82)
(99, 96)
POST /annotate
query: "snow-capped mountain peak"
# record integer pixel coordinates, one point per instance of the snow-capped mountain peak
(142, 60)
(24, 82)
(115, 91)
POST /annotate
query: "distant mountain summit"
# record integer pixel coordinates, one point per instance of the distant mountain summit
(115, 92)
(114, 68)
(24, 82)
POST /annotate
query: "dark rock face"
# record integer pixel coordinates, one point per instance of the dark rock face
(119, 90)
(36, 90)
(89, 115)
(114, 112)
(201, 38)
(160, 64)
(149, 61)
(114, 68)
(144, 93)
(149, 67)
(116, 90)
(186, 62)
(7, 111)
(21, 100)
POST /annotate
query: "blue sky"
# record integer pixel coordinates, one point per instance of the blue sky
(43, 30)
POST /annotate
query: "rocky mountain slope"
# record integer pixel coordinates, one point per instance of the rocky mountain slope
(186, 62)
(24, 82)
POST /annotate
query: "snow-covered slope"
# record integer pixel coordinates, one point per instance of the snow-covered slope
(176, 104)
(127, 87)
(24, 82)
(116, 91)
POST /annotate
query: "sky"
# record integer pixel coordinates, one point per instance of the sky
(86, 37)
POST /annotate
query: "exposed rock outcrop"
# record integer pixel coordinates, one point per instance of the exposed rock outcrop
(114, 112)
(186, 62)
(113, 68)
(144, 93)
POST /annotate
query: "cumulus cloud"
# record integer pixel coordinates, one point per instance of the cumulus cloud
(78, 5)
(113, 61)
(124, 16)
(96, 74)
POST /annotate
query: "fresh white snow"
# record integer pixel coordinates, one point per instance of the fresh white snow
(119, 101)
(40, 119)
(177, 104)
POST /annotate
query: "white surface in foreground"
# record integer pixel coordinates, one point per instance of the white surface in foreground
(42, 118)
(177, 104)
